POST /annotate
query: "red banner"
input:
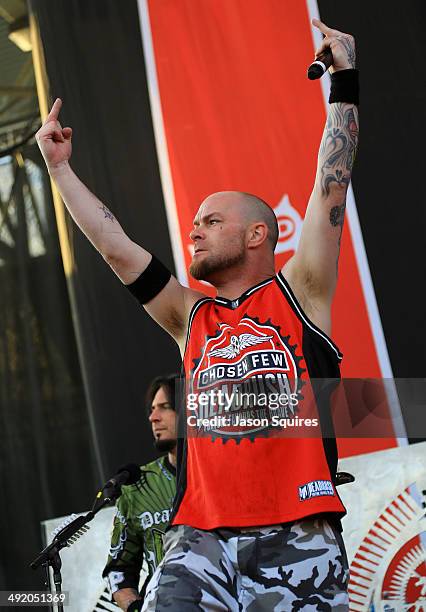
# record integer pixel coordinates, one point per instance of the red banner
(233, 110)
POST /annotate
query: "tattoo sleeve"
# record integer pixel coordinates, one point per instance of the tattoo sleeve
(338, 149)
(335, 160)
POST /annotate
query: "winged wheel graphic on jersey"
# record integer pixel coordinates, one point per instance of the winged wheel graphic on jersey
(241, 368)
(238, 344)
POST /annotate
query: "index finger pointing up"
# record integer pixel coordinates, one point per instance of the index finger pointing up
(323, 28)
(54, 111)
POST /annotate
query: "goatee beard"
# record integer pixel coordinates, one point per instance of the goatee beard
(164, 446)
(205, 269)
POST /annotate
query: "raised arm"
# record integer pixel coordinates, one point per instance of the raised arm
(171, 306)
(312, 271)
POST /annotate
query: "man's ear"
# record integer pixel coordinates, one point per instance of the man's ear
(258, 233)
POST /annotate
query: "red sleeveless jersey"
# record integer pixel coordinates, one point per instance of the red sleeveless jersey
(240, 465)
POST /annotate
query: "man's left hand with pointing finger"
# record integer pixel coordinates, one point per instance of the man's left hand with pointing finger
(341, 45)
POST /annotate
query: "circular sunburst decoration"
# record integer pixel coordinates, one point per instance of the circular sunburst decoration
(404, 585)
(388, 570)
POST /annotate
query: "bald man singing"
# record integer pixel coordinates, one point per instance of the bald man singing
(256, 518)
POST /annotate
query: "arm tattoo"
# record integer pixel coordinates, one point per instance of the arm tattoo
(338, 147)
(108, 214)
(349, 48)
(337, 217)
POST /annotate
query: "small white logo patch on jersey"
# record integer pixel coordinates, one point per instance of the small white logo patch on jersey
(315, 488)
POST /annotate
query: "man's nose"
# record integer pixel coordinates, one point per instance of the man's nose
(196, 234)
(155, 415)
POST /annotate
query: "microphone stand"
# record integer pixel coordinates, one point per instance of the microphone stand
(49, 556)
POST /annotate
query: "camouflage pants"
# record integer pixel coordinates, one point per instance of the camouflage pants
(298, 566)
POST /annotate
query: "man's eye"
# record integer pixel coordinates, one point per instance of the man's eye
(214, 221)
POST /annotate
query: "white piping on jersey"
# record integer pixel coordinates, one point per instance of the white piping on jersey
(306, 320)
(221, 301)
(246, 293)
(259, 286)
(296, 305)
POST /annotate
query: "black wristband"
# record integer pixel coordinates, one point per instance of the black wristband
(135, 606)
(344, 86)
(152, 280)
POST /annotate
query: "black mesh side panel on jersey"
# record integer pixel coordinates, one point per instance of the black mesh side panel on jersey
(323, 368)
(181, 480)
(324, 372)
(182, 445)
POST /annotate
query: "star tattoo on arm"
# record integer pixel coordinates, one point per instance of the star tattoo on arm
(107, 213)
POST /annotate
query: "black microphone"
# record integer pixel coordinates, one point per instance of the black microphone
(320, 65)
(126, 475)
